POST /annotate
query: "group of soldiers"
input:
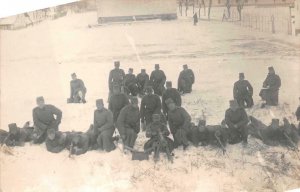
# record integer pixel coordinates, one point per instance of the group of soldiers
(159, 115)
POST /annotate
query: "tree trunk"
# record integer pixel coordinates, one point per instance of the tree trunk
(209, 8)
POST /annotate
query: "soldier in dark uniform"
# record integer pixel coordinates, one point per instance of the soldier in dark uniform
(79, 143)
(142, 81)
(150, 105)
(170, 93)
(116, 76)
(179, 123)
(128, 123)
(103, 122)
(78, 90)
(195, 18)
(157, 80)
(18, 136)
(158, 132)
(186, 80)
(44, 117)
(56, 141)
(270, 90)
(243, 92)
(236, 119)
(117, 101)
(130, 83)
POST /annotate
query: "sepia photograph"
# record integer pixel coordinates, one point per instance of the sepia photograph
(151, 96)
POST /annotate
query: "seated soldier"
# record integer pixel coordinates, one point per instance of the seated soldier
(78, 90)
(18, 136)
(236, 119)
(209, 134)
(56, 141)
(158, 134)
(79, 143)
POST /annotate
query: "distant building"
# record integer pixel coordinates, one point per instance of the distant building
(132, 10)
(296, 17)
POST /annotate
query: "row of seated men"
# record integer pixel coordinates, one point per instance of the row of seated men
(234, 129)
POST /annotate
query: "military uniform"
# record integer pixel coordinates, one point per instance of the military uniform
(77, 86)
(116, 76)
(103, 122)
(116, 103)
(157, 80)
(239, 119)
(57, 144)
(150, 105)
(81, 145)
(142, 81)
(180, 125)
(128, 124)
(130, 83)
(43, 119)
(18, 136)
(243, 92)
(185, 81)
(270, 94)
(174, 95)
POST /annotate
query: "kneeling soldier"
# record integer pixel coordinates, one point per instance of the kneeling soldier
(56, 141)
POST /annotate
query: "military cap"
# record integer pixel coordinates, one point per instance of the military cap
(156, 65)
(117, 63)
(169, 101)
(143, 70)
(202, 122)
(130, 69)
(41, 98)
(169, 83)
(99, 102)
(12, 125)
(134, 100)
(271, 68)
(185, 66)
(241, 75)
(73, 74)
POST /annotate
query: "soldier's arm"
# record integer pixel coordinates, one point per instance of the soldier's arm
(164, 78)
(142, 109)
(152, 77)
(298, 113)
(278, 82)
(84, 147)
(37, 122)
(171, 126)
(71, 90)
(57, 112)
(250, 88)
(227, 120)
(164, 106)
(192, 76)
(235, 91)
(178, 81)
(266, 82)
(82, 86)
(121, 121)
(158, 105)
(96, 125)
(109, 121)
(178, 98)
(187, 118)
(244, 121)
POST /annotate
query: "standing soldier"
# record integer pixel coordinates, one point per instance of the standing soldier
(78, 90)
(179, 123)
(270, 90)
(157, 80)
(128, 123)
(185, 80)
(243, 92)
(130, 83)
(170, 93)
(116, 76)
(236, 119)
(117, 101)
(44, 117)
(56, 141)
(104, 124)
(195, 17)
(150, 105)
(142, 81)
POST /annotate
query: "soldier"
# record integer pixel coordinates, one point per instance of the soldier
(116, 76)
(78, 90)
(103, 122)
(150, 105)
(158, 134)
(130, 83)
(117, 101)
(209, 134)
(79, 143)
(236, 119)
(170, 93)
(18, 136)
(44, 117)
(195, 18)
(142, 81)
(243, 92)
(270, 90)
(185, 80)
(128, 123)
(179, 123)
(56, 141)
(298, 116)
(157, 80)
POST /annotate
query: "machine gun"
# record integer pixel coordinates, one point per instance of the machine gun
(160, 144)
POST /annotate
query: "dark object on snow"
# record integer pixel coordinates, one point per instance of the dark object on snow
(157, 80)
(117, 101)
(170, 93)
(142, 81)
(116, 76)
(270, 90)
(243, 92)
(18, 136)
(195, 18)
(130, 82)
(78, 90)
(185, 80)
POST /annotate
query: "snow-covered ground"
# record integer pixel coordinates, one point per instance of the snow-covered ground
(39, 60)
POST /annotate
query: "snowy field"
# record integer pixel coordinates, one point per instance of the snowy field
(39, 60)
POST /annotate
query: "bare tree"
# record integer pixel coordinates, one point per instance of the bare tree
(240, 6)
(204, 7)
(228, 5)
(209, 8)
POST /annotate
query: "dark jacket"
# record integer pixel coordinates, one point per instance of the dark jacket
(157, 78)
(150, 105)
(186, 75)
(44, 118)
(129, 80)
(174, 95)
(142, 79)
(82, 146)
(154, 128)
(116, 103)
(298, 113)
(103, 120)
(58, 144)
(23, 135)
(238, 117)
(178, 119)
(115, 76)
(76, 85)
(242, 88)
(272, 81)
(129, 118)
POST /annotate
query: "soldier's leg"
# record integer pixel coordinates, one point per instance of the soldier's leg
(249, 101)
(274, 98)
(83, 95)
(244, 133)
(193, 136)
(130, 137)
(107, 142)
(148, 144)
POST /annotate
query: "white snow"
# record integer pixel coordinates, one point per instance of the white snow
(39, 60)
